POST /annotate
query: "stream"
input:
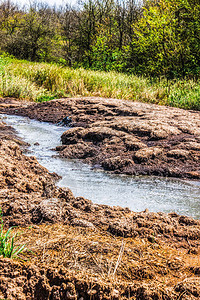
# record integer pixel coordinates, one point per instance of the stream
(135, 192)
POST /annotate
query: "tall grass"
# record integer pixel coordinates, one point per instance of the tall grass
(42, 81)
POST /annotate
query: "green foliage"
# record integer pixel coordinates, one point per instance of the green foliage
(44, 98)
(27, 34)
(166, 40)
(103, 57)
(186, 94)
(7, 242)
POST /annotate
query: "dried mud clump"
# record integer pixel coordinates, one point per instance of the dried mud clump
(123, 137)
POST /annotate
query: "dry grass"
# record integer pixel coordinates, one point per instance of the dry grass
(107, 258)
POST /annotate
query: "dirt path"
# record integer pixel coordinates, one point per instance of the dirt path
(85, 250)
(123, 137)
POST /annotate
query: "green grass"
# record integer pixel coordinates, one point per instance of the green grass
(7, 242)
(42, 82)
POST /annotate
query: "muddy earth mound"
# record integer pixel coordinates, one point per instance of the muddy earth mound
(123, 137)
(28, 195)
(82, 250)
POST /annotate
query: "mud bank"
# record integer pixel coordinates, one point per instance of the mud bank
(123, 137)
(89, 251)
(29, 190)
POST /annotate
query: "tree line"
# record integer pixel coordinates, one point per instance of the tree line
(152, 38)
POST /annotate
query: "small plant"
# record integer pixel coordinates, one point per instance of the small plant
(7, 247)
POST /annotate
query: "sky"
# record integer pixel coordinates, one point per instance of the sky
(50, 2)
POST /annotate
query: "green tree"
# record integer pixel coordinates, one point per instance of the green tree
(166, 39)
(37, 33)
(10, 21)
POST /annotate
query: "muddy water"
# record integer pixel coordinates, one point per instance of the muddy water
(137, 193)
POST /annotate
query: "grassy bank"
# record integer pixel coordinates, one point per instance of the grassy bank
(41, 82)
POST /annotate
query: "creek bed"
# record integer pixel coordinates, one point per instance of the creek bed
(135, 192)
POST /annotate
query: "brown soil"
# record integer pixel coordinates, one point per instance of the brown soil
(123, 137)
(83, 250)
(80, 263)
